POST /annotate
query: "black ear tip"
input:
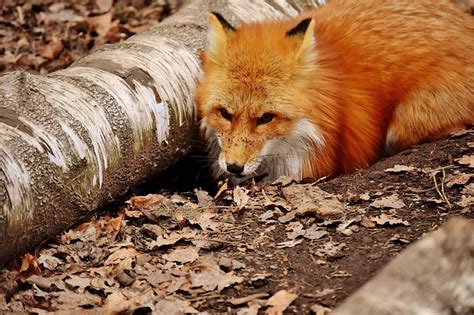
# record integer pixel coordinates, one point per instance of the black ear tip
(300, 28)
(223, 21)
(217, 15)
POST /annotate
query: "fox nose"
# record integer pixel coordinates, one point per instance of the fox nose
(235, 168)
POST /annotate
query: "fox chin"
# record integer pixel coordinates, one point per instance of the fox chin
(279, 156)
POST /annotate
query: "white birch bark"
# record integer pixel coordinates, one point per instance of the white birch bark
(74, 140)
(433, 276)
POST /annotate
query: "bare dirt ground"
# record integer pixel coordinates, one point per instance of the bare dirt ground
(281, 247)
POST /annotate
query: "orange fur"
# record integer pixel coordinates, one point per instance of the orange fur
(368, 76)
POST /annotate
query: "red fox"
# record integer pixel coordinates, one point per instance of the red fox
(336, 88)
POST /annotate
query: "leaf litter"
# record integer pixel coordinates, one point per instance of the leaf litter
(397, 168)
(393, 201)
(47, 35)
(279, 302)
(249, 249)
(170, 252)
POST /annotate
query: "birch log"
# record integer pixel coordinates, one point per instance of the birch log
(74, 140)
(433, 276)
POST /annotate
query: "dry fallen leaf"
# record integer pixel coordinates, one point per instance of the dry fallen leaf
(49, 262)
(466, 201)
(102, 24)
(315, 233)
(150, 202)
(77, 283)
(103, 5)
(397, 168)
(246, 299)
(222, 189)
(153, 206)
(280, 203)
(210, 277)
(466, 160)
(118, 303)
(320, 310)
(52, 49)
(468, 189)
(392, 201)
(230, 264)
(157, 278)
(116, 223)
(364, 196)
(287, 217)
(266, 216)
(283, 181)
(84, 232)
(29, 266)
(366, 222)
(173, 305)
(51, 283)
(322, 293)
(172, 238)
(69, 301)
(63, 16)
(295, 229)
(123, 254)
(183, 255)
(206, 222)
(291, 243)
(331, 249)
(204, 200)
(344, 227)
(241, 197)
(279, 302)
(133, 214)
(253, 308)
(308, 198)
(460, 180)
(176, 285)
(384, 219)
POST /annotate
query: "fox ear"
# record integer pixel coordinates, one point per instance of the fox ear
(218, 32)
(306, 54)
(300, 29)
(217, 18)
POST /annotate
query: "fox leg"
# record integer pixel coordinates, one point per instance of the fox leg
(429, 115)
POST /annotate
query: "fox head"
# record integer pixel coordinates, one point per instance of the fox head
(253, 99)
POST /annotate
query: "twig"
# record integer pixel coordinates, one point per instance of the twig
(442, 189)
(441, 192)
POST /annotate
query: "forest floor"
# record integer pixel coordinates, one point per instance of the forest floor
(278, 247)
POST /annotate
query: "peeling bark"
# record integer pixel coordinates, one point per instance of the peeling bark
(74, 140)
(433, 276)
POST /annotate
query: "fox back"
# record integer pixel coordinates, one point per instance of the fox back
(336, 88)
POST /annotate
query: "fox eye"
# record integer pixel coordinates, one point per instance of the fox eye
(265, 118)
(225, 114)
